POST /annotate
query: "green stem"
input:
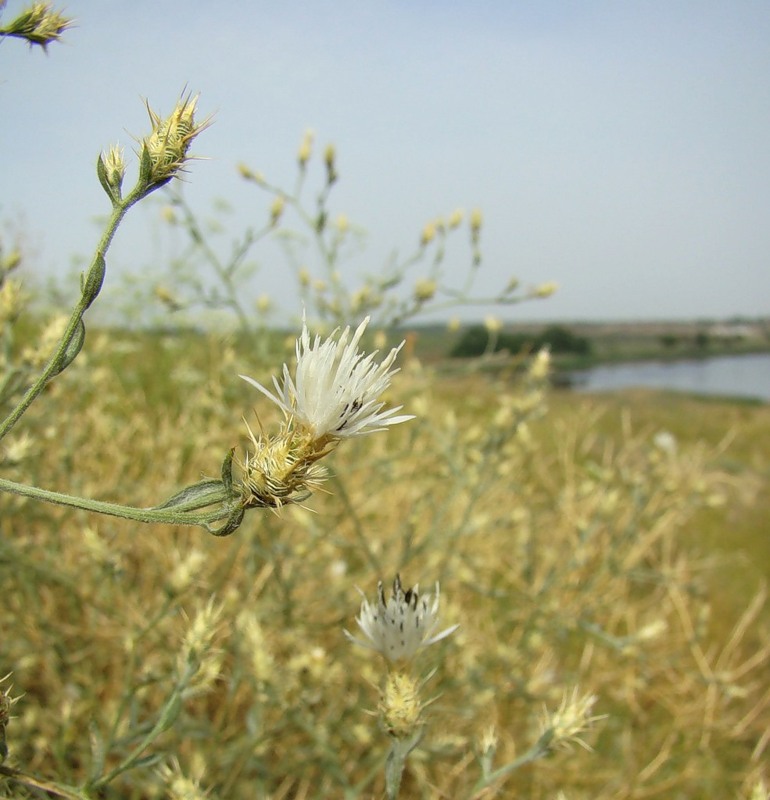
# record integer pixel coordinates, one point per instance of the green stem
(182, 514)
(88, 294)
(50, 787)
(538, 750)
(394, 766)
(166, 719)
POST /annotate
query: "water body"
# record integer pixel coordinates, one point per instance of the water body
(730, 376)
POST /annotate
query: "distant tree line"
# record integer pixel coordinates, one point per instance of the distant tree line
(476, 340)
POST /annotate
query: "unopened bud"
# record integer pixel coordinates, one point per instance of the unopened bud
(276, 210)
(428, 234)
(39, 24)
(476, 222)
(330, 155)
(111, 169)
(455, 218)
(545, 289)
(424, 290)
(305, 149)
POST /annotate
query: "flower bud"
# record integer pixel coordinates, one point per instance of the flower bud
(428, 234)
(111, 169)
(39, 24)
(455, 218)
(476, 222)
(424, 290)
(330, 155)
(545, 289)
(276, 210)
(305, 149)
(164, 151)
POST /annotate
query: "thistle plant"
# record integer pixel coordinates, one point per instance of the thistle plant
(210, 667)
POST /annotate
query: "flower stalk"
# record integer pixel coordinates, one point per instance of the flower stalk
(397, 628)
(201, 504)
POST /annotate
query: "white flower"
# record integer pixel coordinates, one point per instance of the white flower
(401, 626)
(666, 442)
(336, 388)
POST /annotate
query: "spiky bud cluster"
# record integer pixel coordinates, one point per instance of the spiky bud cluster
(39, 24)
(164, 152)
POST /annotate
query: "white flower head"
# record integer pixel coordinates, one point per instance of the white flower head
(336, 389)
(399, 627)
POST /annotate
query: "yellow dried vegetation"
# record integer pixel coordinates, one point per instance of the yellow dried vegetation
(567, 543)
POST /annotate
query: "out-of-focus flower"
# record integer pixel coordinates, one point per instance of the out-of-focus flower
(424, 290)
(455, 218)
(39, 24)
(476, 221)
(276, 209)
(564, 727)
(305, 148)
(335, 391)
(666, 442)
(428, 234)
(545, 290)
(400, 626)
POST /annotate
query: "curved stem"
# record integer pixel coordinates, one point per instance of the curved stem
(181, 514)
(53, 367)
(51, 787)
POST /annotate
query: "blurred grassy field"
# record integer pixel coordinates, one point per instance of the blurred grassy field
(571, 548)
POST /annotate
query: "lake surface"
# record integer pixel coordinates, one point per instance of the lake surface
(734, 376)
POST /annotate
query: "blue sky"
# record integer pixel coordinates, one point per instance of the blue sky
(620, 149)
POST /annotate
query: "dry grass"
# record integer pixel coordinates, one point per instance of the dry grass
(572, 549)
